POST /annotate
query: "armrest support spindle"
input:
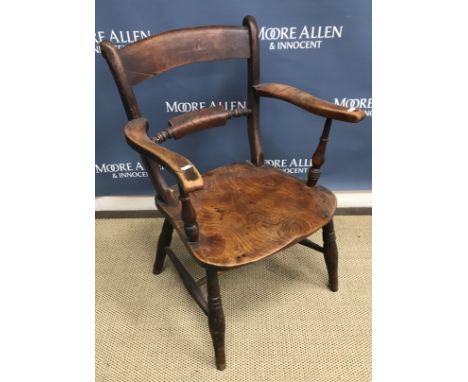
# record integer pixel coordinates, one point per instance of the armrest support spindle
(318, 158)
(315, 106)
(189, 216)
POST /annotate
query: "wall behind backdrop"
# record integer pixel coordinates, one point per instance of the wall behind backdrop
(320, 46)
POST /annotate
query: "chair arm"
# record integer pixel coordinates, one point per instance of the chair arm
(187, 174)
(309, 103)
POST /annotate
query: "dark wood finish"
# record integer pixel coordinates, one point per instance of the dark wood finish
(157, 180)
(164, 241)
(216, 318)
(202, 281)
(188, 281)
(112, 57)
(189, 216)
(253, 68)
(186, 172)
(198, 120)
(331, 255)
(188, 123)
(309, 103)
(246, 213)
(310, 244)
(159, 53)
(318, 158)
(111, 54)
(236, 214)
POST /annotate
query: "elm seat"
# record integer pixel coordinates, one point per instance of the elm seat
(246, 213)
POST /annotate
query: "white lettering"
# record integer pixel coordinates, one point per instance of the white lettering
(354, 103)
(113, 37)
(113, 167)
(304, 33)
(184, 107)
(101, 169)
(283, 45)
(99, 36)
(338, 31)
(171, 108)
(139, 166)
(134, 174)
(121, 38)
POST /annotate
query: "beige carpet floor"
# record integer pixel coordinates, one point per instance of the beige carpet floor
(282, 323)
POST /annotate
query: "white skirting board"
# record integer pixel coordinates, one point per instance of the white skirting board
(346, 199)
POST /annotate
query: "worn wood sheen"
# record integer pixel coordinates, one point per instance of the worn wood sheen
(253, 78)
(198, 120)
(137, 137)
(239, 213)
(318, 158)
(246, 213)
(310, 103)
(157, 54)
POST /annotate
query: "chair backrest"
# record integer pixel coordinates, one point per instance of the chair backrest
(156, 54)
(168, 50)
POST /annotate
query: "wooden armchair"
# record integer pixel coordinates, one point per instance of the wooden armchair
(236, 214)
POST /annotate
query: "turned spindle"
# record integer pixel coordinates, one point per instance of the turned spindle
(216, 321)
(198, 120)
(331, 255)
(189, 216)
(319, 155)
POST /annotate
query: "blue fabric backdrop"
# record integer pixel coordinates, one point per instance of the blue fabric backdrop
(321, 46)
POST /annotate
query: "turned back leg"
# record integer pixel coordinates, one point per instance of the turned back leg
(331, 255)
(216, 318)
(163, 242)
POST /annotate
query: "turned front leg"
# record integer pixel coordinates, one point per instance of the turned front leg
(163, 242)
(216, 318)
(331, 255)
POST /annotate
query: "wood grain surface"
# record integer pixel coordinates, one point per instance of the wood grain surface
(246, 213)
(253, 101)
(309, 103)
(186, 172)
(198, 120)
(159, 53)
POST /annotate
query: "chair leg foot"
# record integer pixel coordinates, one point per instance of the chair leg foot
(216, 318)
(164, 241)
(331, 255)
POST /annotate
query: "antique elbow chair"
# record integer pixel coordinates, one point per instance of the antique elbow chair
(236, 214)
